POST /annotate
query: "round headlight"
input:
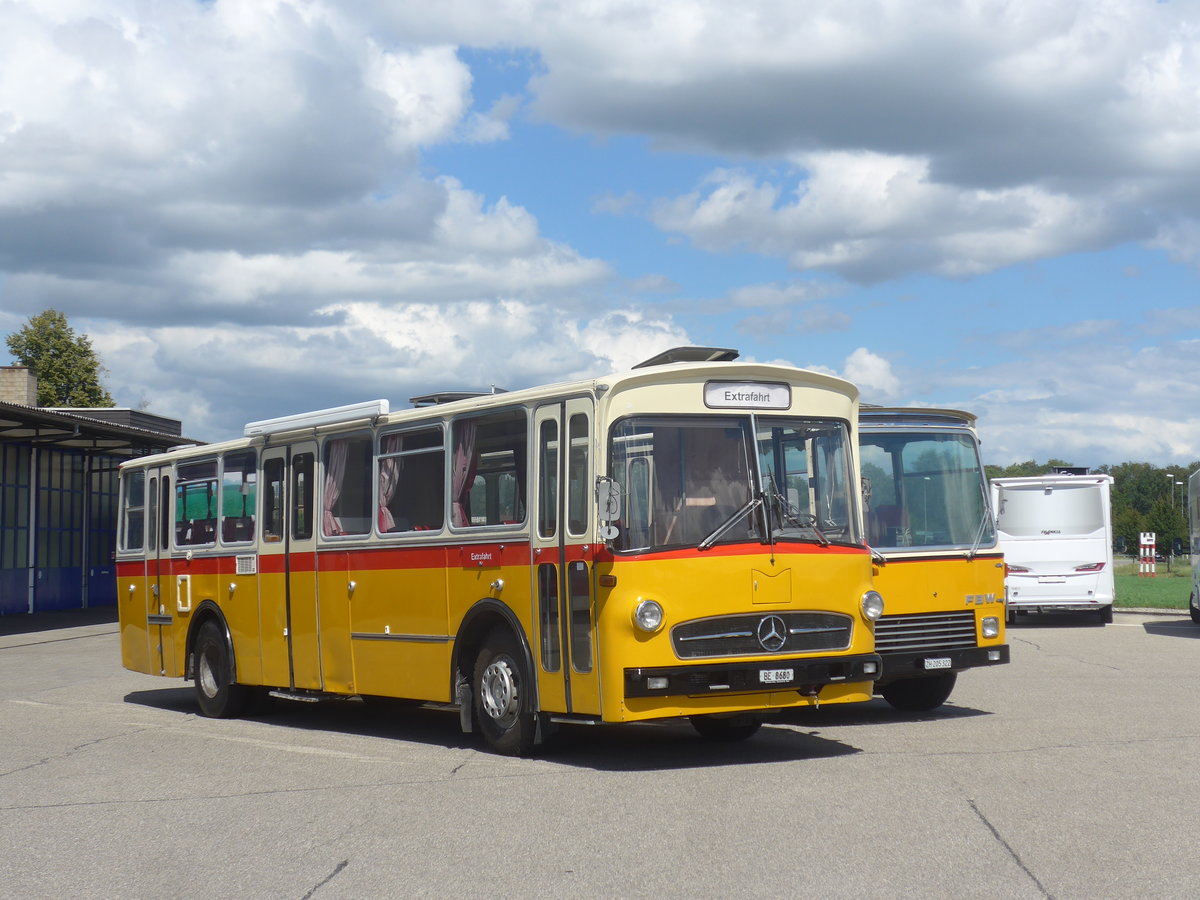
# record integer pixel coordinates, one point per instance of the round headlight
(648, 615)
(872, 605)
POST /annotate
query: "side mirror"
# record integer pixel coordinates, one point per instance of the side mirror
(608, 506)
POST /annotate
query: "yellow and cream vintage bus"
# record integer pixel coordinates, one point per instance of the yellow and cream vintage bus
(678, 540)
(929, 519)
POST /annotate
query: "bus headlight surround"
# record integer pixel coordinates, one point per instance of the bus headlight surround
(991, 626)
(872, 605)
(648, 616)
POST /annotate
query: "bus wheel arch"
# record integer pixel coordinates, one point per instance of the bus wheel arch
(212, 665)
(495, 680)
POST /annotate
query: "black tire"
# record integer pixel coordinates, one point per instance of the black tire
(502, 695)
(919, 694)
(1010, 616)
(726, 728)
(1106, 615)
(218, 695)
(1192, 611)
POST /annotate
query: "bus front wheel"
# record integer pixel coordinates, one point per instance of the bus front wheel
(503, 696)
(919, 694)
(726, 728)
(219, 696)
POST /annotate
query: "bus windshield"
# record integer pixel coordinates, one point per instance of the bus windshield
(924, 490)
(805, 468)
(698, 481)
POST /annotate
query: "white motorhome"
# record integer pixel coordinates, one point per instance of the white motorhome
(1194, 540)
(1056, 534)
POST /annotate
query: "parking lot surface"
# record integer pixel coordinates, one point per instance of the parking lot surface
(1069, 773)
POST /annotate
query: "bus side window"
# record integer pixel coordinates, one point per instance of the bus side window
(578, 481)
(303, 475)
(239, 487)
(152, 540)
(273, 500)
(346, 505)
(196, 504)
(488, 470)
(133, 502)
(412, 481)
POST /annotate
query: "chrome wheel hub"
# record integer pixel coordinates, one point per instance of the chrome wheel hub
(498, 692)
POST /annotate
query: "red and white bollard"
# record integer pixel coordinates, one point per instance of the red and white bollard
(1146, 563)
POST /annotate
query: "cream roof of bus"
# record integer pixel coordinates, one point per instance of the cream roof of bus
(870, 414)
(606, 387)
(685, 374)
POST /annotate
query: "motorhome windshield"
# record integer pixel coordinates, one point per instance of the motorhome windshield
(924, 490)
(1045, 510)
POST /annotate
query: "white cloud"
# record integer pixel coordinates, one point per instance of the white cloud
(870, 217)
(363, 350)
(221, 193)
(873, 374)
(1065, 400)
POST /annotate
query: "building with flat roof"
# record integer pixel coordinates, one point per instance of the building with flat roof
(58, 495)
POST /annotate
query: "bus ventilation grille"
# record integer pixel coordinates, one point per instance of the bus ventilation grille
(925, 631)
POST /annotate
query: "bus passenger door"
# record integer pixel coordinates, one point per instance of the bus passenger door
(288, 569)
(562, 558)
(160, 589)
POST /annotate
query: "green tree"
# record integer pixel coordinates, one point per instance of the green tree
(1166, 520)
(1127, 524)
(1024, 469)
(67, 368)
(1138, 485)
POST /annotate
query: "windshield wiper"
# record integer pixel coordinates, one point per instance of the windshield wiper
(983, 521)
(789, 514)
(746, 509)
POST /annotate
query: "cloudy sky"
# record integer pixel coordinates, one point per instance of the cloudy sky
(258, 207)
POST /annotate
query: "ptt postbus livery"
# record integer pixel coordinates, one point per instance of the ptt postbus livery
(928, 516)
(678, 540)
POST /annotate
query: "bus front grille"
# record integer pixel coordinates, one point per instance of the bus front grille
(925, 631)
(758, 634)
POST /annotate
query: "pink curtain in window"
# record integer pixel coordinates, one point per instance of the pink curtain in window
(463, 471)
(335, 472)
(389, 480)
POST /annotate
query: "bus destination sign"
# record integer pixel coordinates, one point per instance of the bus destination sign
(746, 395)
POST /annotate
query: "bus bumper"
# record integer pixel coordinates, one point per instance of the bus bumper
(803, 675)
(936, 662)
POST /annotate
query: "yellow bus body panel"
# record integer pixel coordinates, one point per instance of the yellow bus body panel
(813, 578)
(924, 584)
(132, 611)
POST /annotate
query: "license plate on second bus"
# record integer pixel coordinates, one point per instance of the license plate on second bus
(938, 662)
(776, 676)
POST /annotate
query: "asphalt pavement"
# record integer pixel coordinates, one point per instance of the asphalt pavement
(1069, 773)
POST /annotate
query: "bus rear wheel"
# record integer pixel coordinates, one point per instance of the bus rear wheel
(726, 728)
(919, 694)
(218, 695)
(503, 696)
